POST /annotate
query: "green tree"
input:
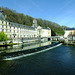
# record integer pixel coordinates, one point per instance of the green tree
(3, 37)
(13, 16)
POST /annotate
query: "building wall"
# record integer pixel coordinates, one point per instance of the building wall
(16, 31)
(45, 33)
(13, 30)
(67, 32)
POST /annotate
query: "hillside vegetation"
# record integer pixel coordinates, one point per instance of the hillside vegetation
(20, 18)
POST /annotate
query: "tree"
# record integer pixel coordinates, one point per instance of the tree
(20, 18)
(3, 37)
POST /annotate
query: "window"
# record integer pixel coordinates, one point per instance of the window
(10, 30)
(2, 22)
(6, 23)
(2, 26)
(34, 35)
(2, 30)
(6, 26)
(6, 30)
(9, 23)
(10, 36)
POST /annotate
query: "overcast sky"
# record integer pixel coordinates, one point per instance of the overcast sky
(59, 11)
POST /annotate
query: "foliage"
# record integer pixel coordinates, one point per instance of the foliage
(3, 37)
(56, 29)
(15, 17)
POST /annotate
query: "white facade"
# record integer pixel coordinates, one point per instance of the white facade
(68, 31)
(44, 32)
(14, 30)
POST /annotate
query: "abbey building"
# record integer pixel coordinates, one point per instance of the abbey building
(16, 31)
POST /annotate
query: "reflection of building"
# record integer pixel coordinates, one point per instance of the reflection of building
(14, 30)
(69, 31)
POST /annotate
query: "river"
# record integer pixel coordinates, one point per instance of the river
(57, 61)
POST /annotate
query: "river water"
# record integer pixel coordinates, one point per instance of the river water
(57, 61)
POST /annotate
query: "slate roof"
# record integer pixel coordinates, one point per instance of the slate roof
(45, 28)
(70, 29)
(22, 26)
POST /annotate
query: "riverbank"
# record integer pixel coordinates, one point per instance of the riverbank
(69, 42)
(6, 43)
(20, 41)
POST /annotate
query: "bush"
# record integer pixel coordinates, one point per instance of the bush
(3, 37)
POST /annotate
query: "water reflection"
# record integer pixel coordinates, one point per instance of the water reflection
(24, 46)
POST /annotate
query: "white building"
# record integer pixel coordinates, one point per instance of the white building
(16, 31)
(69, 31)
(44, 32)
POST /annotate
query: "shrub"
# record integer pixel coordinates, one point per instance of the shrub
(3, 37)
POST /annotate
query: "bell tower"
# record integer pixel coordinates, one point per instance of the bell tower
(1, 15)
(34, 23)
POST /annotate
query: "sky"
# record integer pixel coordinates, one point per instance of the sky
(58, 11)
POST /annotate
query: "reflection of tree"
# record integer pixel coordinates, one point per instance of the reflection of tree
(72, 34)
